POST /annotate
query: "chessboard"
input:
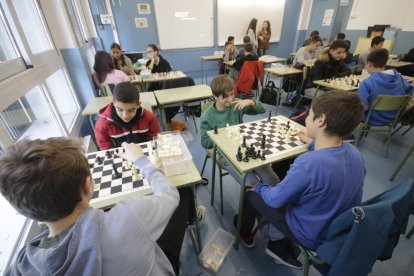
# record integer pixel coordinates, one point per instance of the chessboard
(116, 178)
(169, 75)
(265, 138)
(346, 83)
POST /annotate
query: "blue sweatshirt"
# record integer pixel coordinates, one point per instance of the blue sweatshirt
(320, 185)
(387, 82)
(122, 241)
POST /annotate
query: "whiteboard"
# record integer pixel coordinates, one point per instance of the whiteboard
(234, 17)
(184, 24)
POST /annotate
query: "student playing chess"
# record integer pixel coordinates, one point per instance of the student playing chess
(321, 184)
(157, 64)
(105, 72)
(50, 181)
(381, 81)
(125, 120)
(225, 110)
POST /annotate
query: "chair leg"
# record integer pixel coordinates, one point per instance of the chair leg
(204, 164)
(402, 163)
(305, 261)
(388, 142)
(409, 234)
(358, 136)
(221, 191)
(411, 126)
(195, 124)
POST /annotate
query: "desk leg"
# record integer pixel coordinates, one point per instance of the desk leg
(279, 94)
(240, 214)
(163, 118)
(196, 229)
(213, 176)
(202, 72)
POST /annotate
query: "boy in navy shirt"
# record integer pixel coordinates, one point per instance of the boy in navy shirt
(321, 183)
(381, 81)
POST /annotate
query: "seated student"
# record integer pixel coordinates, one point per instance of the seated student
(121, 61)
(230, 51)
(349, 57)
(125, 120)
(248, 56)
(320, 185)
(50, 181)
(227, 111)
(105, 72)
(338, 36)
(376, 43)
(312, 34)
(157, 64)
(246, 39)
(330, 62)
(381, 81)
(407, 70)
(304, 54)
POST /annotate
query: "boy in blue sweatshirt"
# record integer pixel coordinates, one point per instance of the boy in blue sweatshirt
(381, 81)
(50, 181)
(321, 183)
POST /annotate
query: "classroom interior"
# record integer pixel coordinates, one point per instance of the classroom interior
(46, 67)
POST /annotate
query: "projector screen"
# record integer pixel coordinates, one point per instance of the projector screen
(234, 17)
(184, 24)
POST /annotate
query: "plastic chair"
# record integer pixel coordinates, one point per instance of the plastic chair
(222, 173)
(383, 103)
(303, 87)
(107, 89)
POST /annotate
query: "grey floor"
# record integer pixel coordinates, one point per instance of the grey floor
(255, 261)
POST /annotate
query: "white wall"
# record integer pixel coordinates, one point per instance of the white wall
(398, 13)
(305, 12)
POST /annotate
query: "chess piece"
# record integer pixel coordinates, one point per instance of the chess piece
(215, 130)
(239, 155)
(269, 119)
(263, 156)
(246, 157)
(116, 151)
(99, 160)
(108, 154)
(117, 174)
(263, 145)
(244, 142)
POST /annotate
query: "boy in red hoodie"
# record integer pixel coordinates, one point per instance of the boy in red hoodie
(125, 120)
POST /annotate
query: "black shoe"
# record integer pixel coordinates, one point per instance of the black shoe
(281, 254)
(288, 103)
(246, 239)
(204, 181)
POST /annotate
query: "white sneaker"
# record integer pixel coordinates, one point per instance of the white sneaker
(201, 210)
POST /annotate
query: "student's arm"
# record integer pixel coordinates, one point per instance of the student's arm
(318, 71)
(103, 140)
(290, 189)
(239, 63)
(152, 211)
(154, 127)
(408, 88)
(364, 94)
(130, 67)
(124, 77)
(250, 107)
(300, 56)
(343, 70)
(204, 127)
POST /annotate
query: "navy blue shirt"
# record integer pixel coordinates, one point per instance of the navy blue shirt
(320, 185)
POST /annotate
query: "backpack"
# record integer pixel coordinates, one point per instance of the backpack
(269, 93)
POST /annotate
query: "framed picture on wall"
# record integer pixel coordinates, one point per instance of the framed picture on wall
(143, 8)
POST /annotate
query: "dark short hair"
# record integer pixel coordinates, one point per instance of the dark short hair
(343, 111)
(221, 84)
(246, 39)
(378, 57)
(339, 43)
(126, 92)
(315, 39)
(230, 38)
(340, 36)
(153, 47)
(377, 40)
(349, 44)
(248, 47)
(103, 65)
(313, 33)
(43, 179)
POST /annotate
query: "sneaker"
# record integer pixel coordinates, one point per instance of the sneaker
(247, 239)
(280, 252)
(201, 210)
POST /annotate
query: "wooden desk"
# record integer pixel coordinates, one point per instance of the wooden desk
(280, 72)
(179, 181)
(271, 59)
(408, 78)
(398, 64)
(160, 77)
(204, 60)
(178, 96)
(228, 148)
(95, 104)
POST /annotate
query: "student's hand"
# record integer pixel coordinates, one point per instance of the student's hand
(243, 103)
(303, 137)
(250, 186)
(132, 151)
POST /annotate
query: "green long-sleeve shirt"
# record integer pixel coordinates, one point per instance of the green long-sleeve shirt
(212, 117)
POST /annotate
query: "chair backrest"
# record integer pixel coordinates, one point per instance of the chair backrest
(107, 89)
(180, 82)
(249, 76)
(389, 103)
(206, 105)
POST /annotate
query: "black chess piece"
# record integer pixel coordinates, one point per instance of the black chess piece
(239, 155)
(244, 142)
(215, 130)
(270, 116)
(259, 153)
(353, 82)
(357, 83)
(91, 166)
(263, 156)
(99, 160)
(108, 154)
(246, 157)
(116, 151)
(263, 145)
(117, 174)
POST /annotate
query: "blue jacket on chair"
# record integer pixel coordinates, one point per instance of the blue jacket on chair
(361, 235)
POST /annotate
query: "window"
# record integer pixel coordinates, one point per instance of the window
(32, 25)
(7, 49)
(62, 94)
(31, 117)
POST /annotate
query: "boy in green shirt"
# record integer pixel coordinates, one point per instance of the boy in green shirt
(225, 110)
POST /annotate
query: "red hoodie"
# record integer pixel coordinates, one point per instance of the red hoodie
(109, 133)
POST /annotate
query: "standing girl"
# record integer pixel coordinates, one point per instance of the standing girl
(263, 39)
(251, 32)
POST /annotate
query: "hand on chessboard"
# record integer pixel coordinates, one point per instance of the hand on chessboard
(132, 151)
(302, 136)
(239, 105)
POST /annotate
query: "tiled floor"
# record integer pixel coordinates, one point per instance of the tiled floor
(255, 261)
